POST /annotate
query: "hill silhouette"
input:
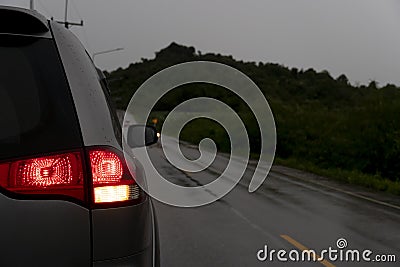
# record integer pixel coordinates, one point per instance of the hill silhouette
(320, 119)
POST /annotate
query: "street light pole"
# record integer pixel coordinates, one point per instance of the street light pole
(106, 51)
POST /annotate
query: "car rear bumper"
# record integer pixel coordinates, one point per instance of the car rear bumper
(144, 258)
(150, 256)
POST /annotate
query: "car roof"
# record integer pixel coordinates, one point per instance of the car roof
(15, 20)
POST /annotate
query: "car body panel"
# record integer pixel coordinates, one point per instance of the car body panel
(91, 106)
(40, 232)
(50, 230)
(117, 232)
(46, 232)
(139, 259)
(127, 230)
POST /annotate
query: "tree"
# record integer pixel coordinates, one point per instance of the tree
(343, 79)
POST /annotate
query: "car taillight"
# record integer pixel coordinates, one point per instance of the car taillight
(106, 167)
(111, 179)
(60, 174)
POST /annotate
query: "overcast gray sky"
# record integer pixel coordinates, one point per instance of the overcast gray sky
(360, 38)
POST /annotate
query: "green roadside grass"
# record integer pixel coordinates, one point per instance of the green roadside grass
(196, 130)
(354, 177)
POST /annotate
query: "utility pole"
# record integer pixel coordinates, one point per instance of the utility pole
(66, 22)
(31, 5)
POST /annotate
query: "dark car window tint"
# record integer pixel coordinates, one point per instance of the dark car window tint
(36, 109)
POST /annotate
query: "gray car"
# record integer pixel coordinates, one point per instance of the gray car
(67, 197)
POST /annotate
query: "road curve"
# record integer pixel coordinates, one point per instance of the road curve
(285, 213)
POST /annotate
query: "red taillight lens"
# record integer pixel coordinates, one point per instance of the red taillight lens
(106, 167)
(111, 179)
(47, 171)
(63, 175)
(60, 174)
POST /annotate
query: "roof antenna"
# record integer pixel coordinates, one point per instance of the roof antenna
(66, 22)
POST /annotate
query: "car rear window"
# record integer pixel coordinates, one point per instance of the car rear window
(36, 108)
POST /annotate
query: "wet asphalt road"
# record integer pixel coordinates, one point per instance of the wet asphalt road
(285, 213)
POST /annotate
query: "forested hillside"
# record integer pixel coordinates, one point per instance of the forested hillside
(321, 121)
